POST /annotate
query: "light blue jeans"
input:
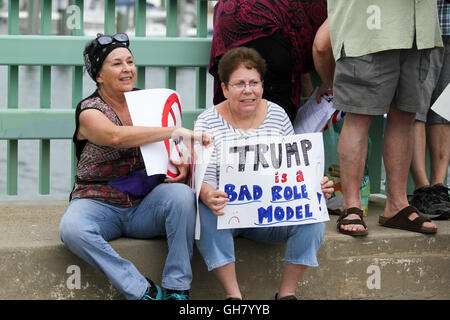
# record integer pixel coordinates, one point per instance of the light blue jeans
(88, 225)
(217, 246)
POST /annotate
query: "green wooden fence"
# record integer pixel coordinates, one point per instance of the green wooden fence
(46, 50)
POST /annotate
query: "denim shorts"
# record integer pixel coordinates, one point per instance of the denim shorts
(371, 83)
(217, 246)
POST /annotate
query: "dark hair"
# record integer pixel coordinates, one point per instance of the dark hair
(95, 52)
(236, 57)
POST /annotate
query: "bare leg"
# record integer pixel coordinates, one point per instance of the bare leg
(292, 274)
(418, 170)
(352, 153)
(397, 154)
(227, 278)
(439, 145)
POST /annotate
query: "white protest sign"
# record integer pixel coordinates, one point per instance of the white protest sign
(156, 108)
(442, 104)
(273, 181)
(316, 117)
(313, 116)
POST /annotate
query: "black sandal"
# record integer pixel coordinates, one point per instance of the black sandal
(359, 221)
(401, 221)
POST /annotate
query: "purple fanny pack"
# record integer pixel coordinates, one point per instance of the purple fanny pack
(138, 183)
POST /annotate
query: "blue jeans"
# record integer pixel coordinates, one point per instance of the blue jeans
(88, 225)
(217, 246)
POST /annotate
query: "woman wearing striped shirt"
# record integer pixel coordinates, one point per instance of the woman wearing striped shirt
(244, 114)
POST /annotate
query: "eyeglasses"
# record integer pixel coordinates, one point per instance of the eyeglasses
(104, 40)
(242, 85)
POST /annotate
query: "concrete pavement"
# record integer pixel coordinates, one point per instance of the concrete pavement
(387, 264)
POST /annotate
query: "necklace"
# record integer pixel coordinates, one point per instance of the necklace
(235, 122)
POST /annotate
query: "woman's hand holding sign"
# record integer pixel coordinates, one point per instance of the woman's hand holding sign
(214, 199)
(327, 186)
(183, 170)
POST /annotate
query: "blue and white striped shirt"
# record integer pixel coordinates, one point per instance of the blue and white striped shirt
(276, 123)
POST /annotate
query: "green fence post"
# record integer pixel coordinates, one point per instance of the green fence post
(45, 101)
(200, 72)
(171, 31)
(12, 158)
(77, 84)
(140, 15)
(110, 17)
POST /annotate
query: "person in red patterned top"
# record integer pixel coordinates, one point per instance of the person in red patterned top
(283, 32)
(112, 194)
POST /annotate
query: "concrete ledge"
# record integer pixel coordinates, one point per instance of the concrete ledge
(34, 264)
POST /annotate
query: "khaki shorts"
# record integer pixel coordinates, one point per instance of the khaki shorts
(437, 80)
(370, 84)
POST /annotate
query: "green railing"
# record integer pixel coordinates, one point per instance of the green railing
(46, 50)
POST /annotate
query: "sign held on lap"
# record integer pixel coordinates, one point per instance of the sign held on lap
(273, 181)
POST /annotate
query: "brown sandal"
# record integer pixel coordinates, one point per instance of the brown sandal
(401, 221)
(359, 221)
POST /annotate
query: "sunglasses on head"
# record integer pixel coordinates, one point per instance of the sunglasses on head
(104, 40)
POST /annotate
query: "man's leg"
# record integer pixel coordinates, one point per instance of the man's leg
(397, 154)
(439, 146)
(418, 169)
(438, 128)
(431, 199)
(352, 153)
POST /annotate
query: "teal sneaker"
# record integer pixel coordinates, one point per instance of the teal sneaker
(153, 292)
(176, 294)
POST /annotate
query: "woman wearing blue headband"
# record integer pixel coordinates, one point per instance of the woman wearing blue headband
(112, 195)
